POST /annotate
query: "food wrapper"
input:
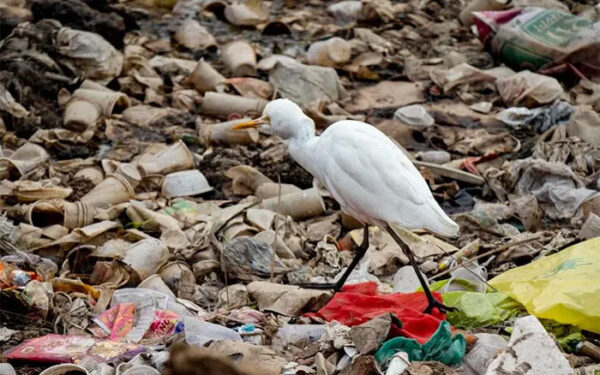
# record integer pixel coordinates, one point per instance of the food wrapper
(55, 348)
(165, 323)
(117, 322)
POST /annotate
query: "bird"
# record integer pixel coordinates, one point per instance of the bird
(366, 173)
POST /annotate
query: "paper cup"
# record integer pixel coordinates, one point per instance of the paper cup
(64, 369)
(108, 102)
(239, 58)
(205, 77)
(174, 158)
(115, 189)
(223, 133)
(305, 204)
(80, 114)
(222, 105)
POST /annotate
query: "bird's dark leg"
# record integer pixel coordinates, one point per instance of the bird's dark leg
(406, 250)
(359, 253)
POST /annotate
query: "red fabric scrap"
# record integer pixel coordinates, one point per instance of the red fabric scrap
(351, 308)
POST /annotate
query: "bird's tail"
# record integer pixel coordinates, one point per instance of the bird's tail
(441, 223)
(436, 221)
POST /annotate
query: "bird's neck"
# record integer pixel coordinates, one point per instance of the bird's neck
(302, 151)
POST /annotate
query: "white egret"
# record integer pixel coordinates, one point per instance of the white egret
(366, 173)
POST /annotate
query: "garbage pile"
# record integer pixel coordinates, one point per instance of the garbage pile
(142, 234)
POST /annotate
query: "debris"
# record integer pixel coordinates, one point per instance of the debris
(141, 231)
(532, 348)
(514, 31)
(576, 268)
(442, 347)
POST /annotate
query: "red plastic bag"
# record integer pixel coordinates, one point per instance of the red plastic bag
(354, 308)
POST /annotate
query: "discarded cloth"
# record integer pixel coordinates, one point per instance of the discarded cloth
(352, 309)
(442, 347)
(563, 286)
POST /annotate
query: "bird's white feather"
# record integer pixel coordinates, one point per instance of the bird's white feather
(371, 177)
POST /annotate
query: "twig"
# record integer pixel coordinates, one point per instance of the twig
(487, 253)
(276, 227)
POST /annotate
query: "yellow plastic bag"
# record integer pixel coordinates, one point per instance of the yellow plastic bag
(564, 286)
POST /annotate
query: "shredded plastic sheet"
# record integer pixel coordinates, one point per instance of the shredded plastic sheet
(563, 286)
(442, 347)
(477, 310)
(352, 309)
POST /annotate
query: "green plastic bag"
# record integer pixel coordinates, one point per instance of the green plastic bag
(477, 310)
(441, 347)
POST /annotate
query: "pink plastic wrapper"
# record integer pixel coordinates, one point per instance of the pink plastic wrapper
(163, 325)
(116, 322)
(69, 348)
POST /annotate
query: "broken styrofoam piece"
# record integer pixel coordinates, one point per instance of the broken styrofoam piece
(530, 351)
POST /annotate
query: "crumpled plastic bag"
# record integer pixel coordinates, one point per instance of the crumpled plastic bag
(540, 119)
(477, 310)
(307, 85)
(441, 347)
(88, 54)
(352, 309)
(558, 190)
(563, 286)
(529, 89)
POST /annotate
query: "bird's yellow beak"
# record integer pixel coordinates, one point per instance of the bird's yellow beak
(252, 123)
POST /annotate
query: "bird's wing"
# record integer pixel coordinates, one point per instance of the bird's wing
(368, 174)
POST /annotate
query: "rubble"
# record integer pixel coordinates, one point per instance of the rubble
(142, 232)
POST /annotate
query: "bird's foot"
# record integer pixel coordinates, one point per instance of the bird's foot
(433, 303)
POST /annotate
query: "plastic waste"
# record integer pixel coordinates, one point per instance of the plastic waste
(88, 54)
(198, 332)
(245, 256)
(559, 286)
(65, 369)
(248, 13)
(540, 119)
(353, 308)
(67, 348)
(239, 58)
(299, 333)
(471, 274)
(398, 364)
(477, 360)
(477, 310)
(415, 115)
(330, 52)
(306, 84)
(7, 369)
(534, 37)
(302, 205)
(529, 89)
(406, 280)
(194, 36)
(442, 347)
(184, 183)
